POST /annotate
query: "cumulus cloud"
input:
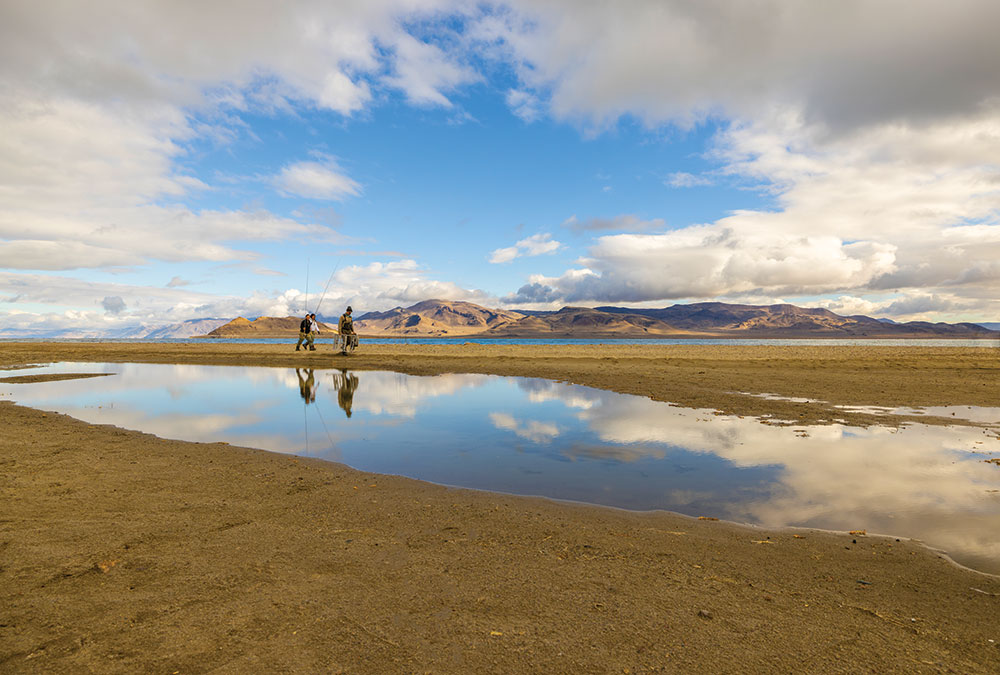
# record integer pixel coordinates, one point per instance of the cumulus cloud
(384, 285)
(316, 180)
(424, 72)
(113, 304)
(919, 304)
(914, 305)
(845, 66)
(98, 113)
(93, 184)
(710, 261)
(536, 244)
(325, 54)
(524, 104)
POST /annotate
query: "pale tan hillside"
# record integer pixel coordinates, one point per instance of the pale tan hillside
(265, 326)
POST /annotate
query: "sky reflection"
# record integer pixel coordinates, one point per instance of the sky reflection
(532, 436)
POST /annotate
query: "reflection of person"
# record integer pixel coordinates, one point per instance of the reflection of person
(307, 385)
(306, 333)
(346, 384)
(348, 338)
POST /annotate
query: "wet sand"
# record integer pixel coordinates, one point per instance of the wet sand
(123, 552)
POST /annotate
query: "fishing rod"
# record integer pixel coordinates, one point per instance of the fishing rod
(305, 303)
(318, 304)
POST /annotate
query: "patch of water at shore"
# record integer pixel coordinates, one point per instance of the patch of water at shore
(537, 437)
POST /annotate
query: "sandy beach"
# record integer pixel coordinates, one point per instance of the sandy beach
(123, 552)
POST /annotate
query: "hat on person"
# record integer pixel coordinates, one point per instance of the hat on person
(349, 309)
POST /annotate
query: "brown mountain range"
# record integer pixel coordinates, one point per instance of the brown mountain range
(436, 317)
(571, 322)
(445, 318)
(778, 321)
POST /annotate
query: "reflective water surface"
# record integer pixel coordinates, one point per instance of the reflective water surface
(537, 437)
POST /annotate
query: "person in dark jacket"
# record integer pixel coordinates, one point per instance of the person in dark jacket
(306, 333)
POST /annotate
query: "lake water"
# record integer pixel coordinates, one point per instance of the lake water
(992, 343)
(538, 437)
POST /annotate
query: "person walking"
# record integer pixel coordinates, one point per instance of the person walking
(304, 333)
(348, 338)
(313, 331)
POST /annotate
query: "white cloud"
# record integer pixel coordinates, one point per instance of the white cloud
(92, 184)
(915, 305)
(845, 65)
(524, 104)
(384, 285)
(99, 102)
(680, 179)
(424, 71)
(326, 54)
(31, 254)
(537, 244)
(710, 261)
(316, 180)
(340, 93)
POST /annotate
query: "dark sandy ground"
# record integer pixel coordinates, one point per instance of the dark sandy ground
(123, 552)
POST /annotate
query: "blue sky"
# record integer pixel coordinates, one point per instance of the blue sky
(160, 164)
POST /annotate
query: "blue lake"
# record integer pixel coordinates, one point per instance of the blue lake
(993, 343)
(538, 437)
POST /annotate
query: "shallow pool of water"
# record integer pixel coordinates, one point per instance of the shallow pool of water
(538, 437)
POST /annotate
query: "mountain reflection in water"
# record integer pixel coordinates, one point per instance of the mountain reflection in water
(532, 436)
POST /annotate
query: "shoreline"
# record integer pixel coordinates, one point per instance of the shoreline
(122, 551)
(638, 338)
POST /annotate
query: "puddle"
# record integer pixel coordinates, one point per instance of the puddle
(965, 413)
(537, 437)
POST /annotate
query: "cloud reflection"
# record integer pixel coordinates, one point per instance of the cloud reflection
(537, 432)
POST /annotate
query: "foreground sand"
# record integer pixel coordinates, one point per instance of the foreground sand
(122, 552)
